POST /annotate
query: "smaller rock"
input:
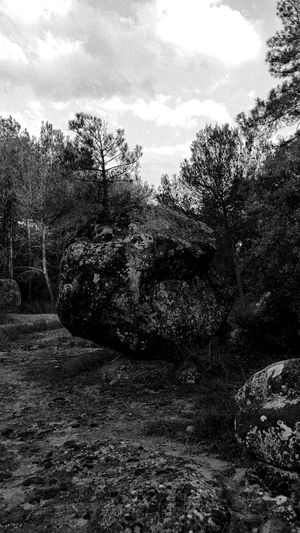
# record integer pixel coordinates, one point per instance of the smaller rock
(47, 464)
(268, 423)
(190, 430)
(75, 425)
(5, 475)
(72, 444)
(189, 375)
(16, 515)
(275, 479)
(35, 480)
(10, 296)
(7, 432)
(52, 481)
(48, 492)
(63, 486)
(279, 379)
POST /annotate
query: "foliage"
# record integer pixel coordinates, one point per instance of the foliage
(176, 194)
(272, 262)
(213, 186)
(50, 189)
(10, 169)
(100, 156)
(281, 108)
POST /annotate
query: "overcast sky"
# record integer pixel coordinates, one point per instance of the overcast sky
(161, 69)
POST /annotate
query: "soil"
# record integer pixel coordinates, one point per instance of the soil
(75, 453)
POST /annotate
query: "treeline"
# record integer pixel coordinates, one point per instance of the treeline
(239, 180)
(250, 195)
(246, 186)
(50, 188)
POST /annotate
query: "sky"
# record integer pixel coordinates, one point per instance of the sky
(160, 69)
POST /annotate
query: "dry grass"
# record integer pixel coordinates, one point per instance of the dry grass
(84, 363)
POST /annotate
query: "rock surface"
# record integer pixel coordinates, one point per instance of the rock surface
(10, 295)
(74, 454)
(142, 287)
(256, 507)
(269, 421)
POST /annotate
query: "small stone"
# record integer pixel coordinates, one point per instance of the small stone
(49, 492)
(7, 432)
(33, 497)
(48, 464)
(73, 444)
(52, 481)
(89, 466)
(5, 475)
(190, 429)
(36, 480)
(63, 486)
(17, 515)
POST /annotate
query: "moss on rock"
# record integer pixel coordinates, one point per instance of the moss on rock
(269, 421)
(146, 288)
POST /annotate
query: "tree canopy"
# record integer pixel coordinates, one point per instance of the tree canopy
(105, 156)
(282, 106)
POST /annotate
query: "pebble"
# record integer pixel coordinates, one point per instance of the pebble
(7, 432)
(36, 480)
(5, 475)
(72, 444)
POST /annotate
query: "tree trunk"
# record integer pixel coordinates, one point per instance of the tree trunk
(105, 201)
(29, 252)
(10, 250)
(235, 261)
(44, 266)
(238, 275)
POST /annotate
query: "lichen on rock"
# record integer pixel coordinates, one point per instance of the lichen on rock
(142, 287)
(269, 420)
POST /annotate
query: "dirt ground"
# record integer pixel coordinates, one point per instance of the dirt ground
(75, 455)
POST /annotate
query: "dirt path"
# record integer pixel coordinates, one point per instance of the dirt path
(75, 455)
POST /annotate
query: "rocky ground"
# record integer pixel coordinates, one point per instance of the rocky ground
(75, 455)
(94, 443)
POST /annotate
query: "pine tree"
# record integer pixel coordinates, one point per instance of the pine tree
(102, 157)
(282, 106)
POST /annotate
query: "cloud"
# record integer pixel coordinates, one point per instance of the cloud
(208, 28)
(30, 10)
(163, 113)
(29, 117)
(51, 48)
(11, 51)
(85, 48)
(75, 48)
(167, 150)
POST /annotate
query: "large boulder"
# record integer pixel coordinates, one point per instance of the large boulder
(10, 296)
(269, 420)
(142, 287)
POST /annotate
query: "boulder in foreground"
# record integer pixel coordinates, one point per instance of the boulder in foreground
(268, 424)
(142, 287)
